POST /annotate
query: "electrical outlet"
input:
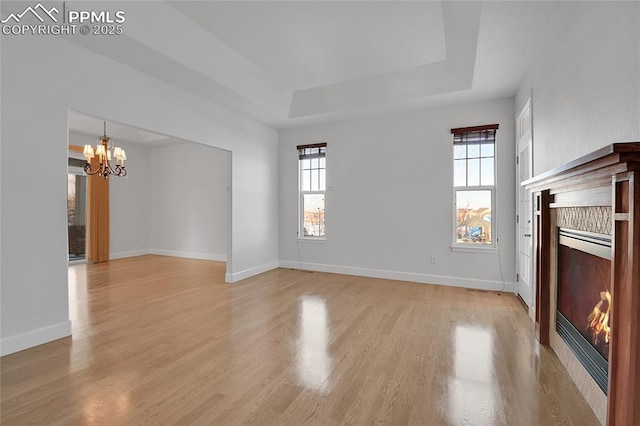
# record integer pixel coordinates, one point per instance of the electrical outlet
(433, 260)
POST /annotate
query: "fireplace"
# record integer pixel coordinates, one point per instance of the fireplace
(584, 299)
(578, 274)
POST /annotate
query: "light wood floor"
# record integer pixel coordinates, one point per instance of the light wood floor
(161, 340)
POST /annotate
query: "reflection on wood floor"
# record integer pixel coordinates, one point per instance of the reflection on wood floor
(165, 341)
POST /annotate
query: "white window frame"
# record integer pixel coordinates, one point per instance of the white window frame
(302, 193)
(457, 246)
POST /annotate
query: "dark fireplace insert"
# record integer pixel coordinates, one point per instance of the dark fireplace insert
(584, 299)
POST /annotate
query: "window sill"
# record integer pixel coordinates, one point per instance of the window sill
(472, 249)
(312, 240)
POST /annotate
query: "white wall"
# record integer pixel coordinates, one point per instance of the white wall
(390, 199)
(129, 205)
(586, 92)
(42, 79)
(189, 201)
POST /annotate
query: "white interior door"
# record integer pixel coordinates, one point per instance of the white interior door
(524, 163)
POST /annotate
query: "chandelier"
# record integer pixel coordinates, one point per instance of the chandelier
(104, 154)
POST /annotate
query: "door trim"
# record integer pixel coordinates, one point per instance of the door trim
(524, 132)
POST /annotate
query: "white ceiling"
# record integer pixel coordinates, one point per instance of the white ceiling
(292, 63)
(309, 44)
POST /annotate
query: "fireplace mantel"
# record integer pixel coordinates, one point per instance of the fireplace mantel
(599, 192)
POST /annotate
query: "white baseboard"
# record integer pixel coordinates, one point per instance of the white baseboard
(130, 253)
(472, 283)
(190, 254)
(36, 337)
(532, 313)
(241, 275)
(173, 253)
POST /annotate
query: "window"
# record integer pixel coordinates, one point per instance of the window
(474, 176)
(312, 183)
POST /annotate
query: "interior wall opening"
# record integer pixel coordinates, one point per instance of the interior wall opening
(174, 201)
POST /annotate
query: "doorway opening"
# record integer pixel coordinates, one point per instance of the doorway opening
(174, 201)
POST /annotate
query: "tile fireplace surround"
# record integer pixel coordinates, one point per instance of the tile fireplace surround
(598, 193)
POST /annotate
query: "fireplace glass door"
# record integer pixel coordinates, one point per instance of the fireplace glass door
(584, 298)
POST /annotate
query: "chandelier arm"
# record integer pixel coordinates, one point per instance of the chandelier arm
(108, 168)
(120, 171)
(88, 169)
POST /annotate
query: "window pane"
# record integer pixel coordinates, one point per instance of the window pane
(323, 163)
(459, 151)
(314, 163)
(314, 180)
(313, 214)
(473, 178)
(487, 171)
(460, 173)
(305, 164)
(323, 180)
(473, 151)
(486, 150)
(306, 180)
(473, 217)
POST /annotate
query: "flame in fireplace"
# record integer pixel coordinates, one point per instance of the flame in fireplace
(599, 319)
